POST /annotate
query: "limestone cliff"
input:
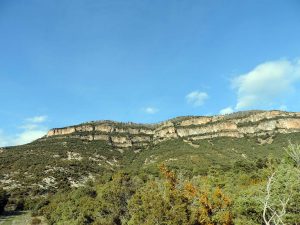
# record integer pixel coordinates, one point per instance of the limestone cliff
(235, 125)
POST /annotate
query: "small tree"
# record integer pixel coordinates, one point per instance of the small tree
(281, 202)
(293, 150)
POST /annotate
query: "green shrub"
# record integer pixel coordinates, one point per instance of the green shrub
(36, 221)
(3, 200)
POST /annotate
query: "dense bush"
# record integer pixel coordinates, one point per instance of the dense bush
(36, 221)
(3, 200)
(172, 201)
(220, 197)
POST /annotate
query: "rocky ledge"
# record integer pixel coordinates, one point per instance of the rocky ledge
(235, 125)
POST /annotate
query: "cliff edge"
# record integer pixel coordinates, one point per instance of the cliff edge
(235, 125)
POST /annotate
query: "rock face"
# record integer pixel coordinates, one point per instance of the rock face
(236, 125)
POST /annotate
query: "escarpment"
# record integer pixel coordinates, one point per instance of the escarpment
(235, 125)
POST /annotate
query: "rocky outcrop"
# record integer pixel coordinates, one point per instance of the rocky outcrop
(62, 131)
(236, 125)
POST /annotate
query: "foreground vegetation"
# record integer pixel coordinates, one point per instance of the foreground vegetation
(3, 200)
(236, 196)
(222, 181)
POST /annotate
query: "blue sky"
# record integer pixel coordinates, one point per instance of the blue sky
(65, 62)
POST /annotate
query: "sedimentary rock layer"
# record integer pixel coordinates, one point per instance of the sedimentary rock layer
(236, 125)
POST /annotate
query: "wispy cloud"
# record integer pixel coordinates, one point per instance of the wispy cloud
(226, 110)
(266, 83)
(28, 136)
(37, 119)
(196, 98)
(4, 139)
(150, 110)
(30, 130)
(283, 108)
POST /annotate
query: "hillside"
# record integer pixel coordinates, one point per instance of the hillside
(106, 172)
(69, 157)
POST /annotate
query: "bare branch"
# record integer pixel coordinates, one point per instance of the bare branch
(270, 215)
(266, 202)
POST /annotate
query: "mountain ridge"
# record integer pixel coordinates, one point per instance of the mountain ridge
(191, 128)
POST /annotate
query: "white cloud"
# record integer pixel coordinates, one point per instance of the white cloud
(227, 110)
(150, 110)
(266, 83)
(283, 108)
(4, 140)
(31, 130)
(37, 119)
(28, 136)
(196, 98)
